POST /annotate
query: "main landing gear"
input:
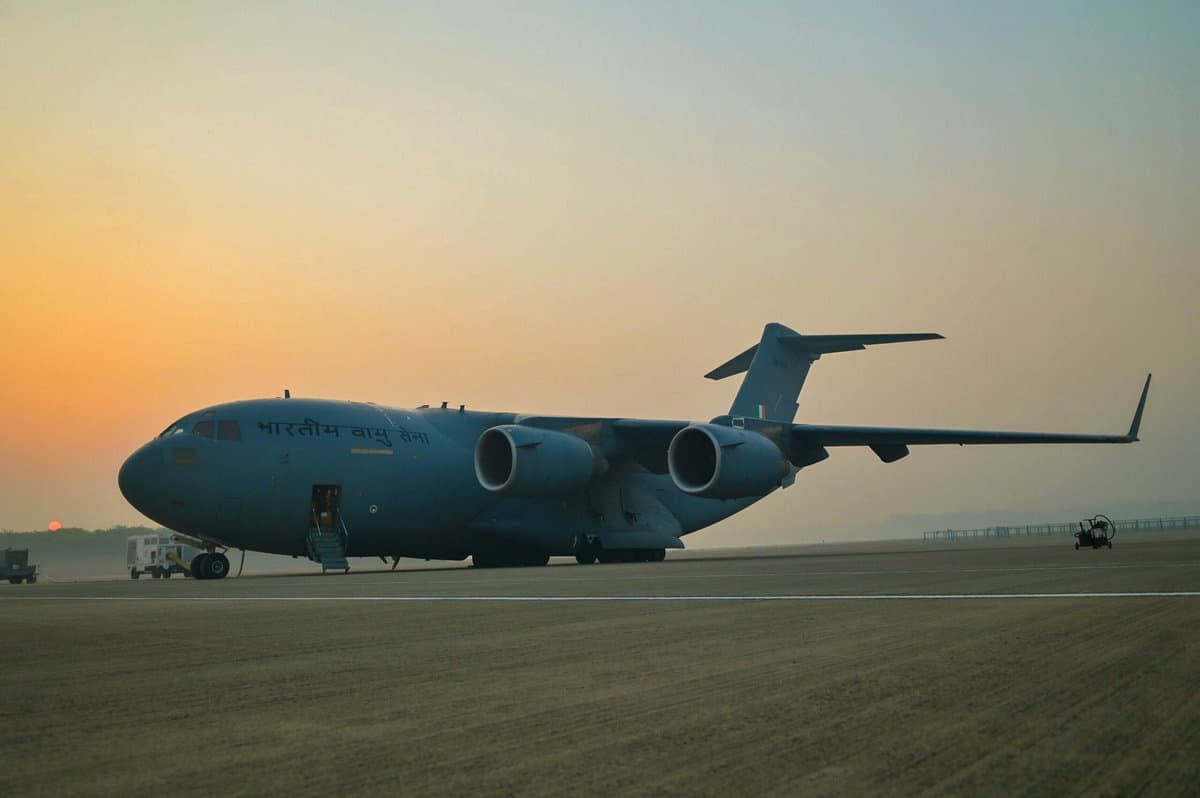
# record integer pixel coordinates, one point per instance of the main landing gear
(509, 557)
(588, 552)
(210, 565)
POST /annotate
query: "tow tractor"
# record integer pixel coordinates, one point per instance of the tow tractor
(1099, 531)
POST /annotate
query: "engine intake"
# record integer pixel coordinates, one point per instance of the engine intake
(525, 461)
(718, 462)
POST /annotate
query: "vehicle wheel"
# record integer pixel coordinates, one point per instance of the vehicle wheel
(31, 580)
(1076, 547)
(133, 573)
(1110, 545)
(200, 566)
(605, 556)
(12, 580)
(218, 566)
(156, 573)
(167, 574)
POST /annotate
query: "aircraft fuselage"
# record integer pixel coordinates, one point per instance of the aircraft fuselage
(405, 477)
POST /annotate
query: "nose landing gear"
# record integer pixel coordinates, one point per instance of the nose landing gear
(210, 565)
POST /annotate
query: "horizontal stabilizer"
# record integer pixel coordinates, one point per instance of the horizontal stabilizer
(816, 345)
(778, 364)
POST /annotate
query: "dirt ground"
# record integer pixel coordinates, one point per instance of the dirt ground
(344, 684)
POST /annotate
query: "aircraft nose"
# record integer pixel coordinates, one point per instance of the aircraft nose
(139, 476)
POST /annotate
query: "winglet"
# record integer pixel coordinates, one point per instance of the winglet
(1137, 416)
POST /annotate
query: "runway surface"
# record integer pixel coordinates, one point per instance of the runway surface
(899, 668)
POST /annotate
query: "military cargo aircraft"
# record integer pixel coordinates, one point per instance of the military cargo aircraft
(331, 479)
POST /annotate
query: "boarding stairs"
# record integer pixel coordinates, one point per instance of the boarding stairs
(327, 547)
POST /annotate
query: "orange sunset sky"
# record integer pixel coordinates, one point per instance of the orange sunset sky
(580, 208)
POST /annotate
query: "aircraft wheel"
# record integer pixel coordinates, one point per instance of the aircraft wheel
(585, 552)
(200, 566)
(133, 573)
(217, 566)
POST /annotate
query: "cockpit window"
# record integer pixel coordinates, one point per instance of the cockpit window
(175, 429)
(203, 428)
(228, 431)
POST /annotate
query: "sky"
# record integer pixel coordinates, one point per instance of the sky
(580, 208)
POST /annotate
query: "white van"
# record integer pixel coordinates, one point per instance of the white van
(159, 555)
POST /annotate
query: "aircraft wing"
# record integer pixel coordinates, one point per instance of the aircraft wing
(867, 436)
(647, 440)
(644, 440)
(891, 443)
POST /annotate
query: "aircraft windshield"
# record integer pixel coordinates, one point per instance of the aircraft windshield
(176, 428)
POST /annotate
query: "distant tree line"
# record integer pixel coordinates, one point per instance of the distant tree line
(74, 542)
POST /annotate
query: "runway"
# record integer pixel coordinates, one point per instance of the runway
(896, 668)
(553, 599)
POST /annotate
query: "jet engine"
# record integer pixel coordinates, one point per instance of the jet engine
(718, 462)
(525, 461)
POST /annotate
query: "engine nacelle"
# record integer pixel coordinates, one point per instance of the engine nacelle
(525, 461)
(723, 463)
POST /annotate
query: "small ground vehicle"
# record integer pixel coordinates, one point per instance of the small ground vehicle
(17, 568)
(159, 555)
(1099, 531)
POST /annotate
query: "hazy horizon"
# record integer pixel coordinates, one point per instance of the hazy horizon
(579, 209)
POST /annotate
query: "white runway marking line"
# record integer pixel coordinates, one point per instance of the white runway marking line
(766, 597)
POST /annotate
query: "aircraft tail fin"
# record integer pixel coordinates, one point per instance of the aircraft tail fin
(778, 364)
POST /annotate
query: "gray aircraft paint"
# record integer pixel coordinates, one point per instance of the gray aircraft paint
(408, 481)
